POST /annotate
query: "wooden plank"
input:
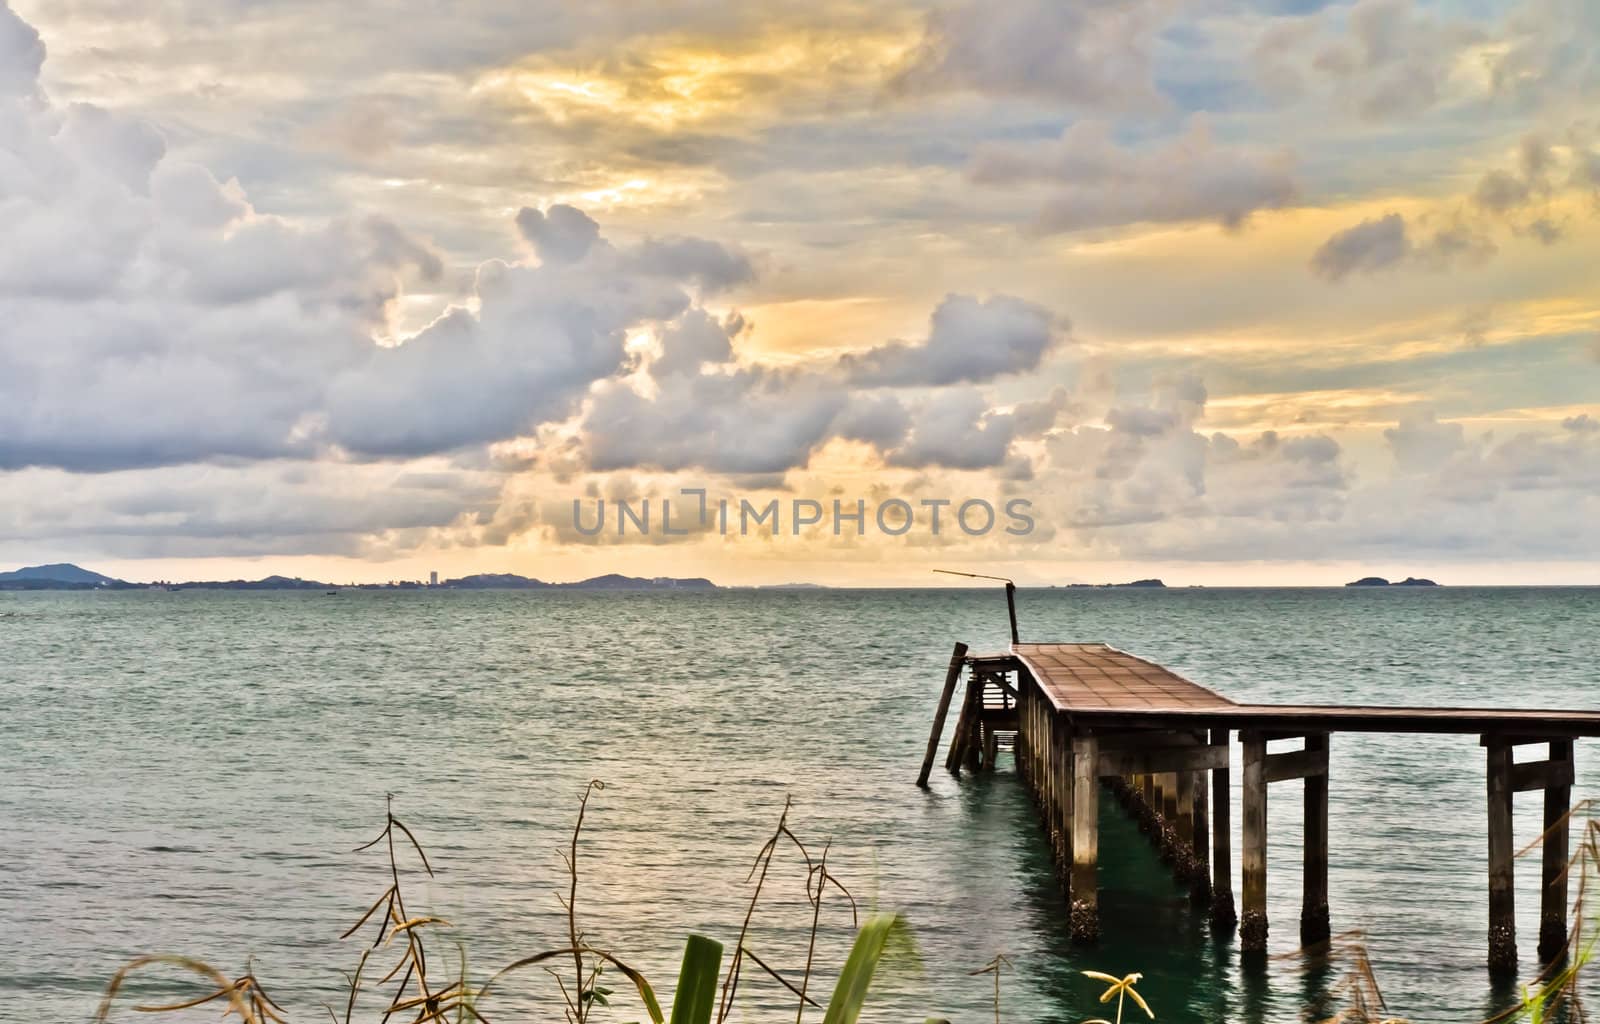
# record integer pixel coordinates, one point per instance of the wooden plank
(1152, 761)
(1314, 924)
(1502, 877)
(1533, 725)
(1146, 739)
(1531, 775)
(1553, 934)
(952, 676)
(1253, 921)
(1223, 915)
(1297, 764)
(1085, 839)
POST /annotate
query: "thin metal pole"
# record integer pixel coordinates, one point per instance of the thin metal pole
(1011, 608)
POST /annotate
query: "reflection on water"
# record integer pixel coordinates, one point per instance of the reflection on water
(190, 771)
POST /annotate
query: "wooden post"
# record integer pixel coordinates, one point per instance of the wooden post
(958, 742)
(1064, 779)
(974, 746)
(1253, 926)
(1183, 790)
(1223, 915)
(1024, 708)
(1553, 895)
(1085, 838)
(952, 676)
(1200, 885)
(1502, 878)
(1314, 925)
(1169, 819)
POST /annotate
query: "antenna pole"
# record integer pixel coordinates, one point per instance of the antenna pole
(1011, 595)
(1011, 608)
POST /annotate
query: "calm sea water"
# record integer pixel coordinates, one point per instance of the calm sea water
(188, 772)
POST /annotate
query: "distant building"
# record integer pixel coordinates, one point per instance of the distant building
(433, 578)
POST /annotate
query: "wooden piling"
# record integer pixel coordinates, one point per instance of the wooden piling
(1253, 924)
(1553, 894)
(1184, 792)
(1200, 883)
(1223, 915)
(1085, 838)
(971, 708)
(1314, 924)
(1502, 876)
(1068, 783)
(952, 676)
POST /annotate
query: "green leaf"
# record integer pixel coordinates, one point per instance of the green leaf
(696, 997)
(851, 991)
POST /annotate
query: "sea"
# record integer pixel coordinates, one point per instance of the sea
(191, 773)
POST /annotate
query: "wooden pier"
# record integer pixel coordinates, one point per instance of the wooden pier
(1087, 717)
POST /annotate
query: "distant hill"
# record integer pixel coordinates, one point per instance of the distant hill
(266, 583)
(495, 581)
(64, 574)
(613, 581)
(1138, 584)
(1379, 581)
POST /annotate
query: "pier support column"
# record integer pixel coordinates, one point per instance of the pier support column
(1183, 826)
(1253, 924)
(1223, 915)
(1553, 895)
(1502, 877)
(1200, 835)
(1314, 925)
(1085, 838)
(1063, 773)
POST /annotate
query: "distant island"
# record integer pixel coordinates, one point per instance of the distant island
(1379, 581)
(1140, 584)
(65, 576)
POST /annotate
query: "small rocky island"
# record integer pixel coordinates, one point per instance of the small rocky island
(1379, 581)
(1140, 584)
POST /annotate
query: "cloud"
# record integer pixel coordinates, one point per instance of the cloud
(1369, 246)
(1581, 424)
(151, 316)
(1551, 51)
(957, 430)
(1382, 59)
(712, 266)
(1519, 198)
(751, 420)
(1094, 54)
(969, 341)
(1420, 442)
(1091, 181)
(21, 54)
(695, 340)
(562, 234)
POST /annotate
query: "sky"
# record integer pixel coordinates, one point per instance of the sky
(1223, 291)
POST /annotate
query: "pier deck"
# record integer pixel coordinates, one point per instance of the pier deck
(1087, 716)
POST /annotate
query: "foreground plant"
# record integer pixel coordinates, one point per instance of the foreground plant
(1122, 988)
(420, 997)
